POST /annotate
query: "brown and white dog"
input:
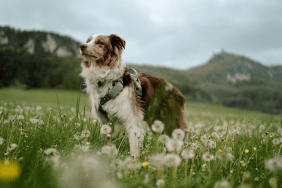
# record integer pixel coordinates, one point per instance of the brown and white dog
(160, 100)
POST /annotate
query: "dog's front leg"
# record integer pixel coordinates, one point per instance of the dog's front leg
(133, 143)
(135, 135)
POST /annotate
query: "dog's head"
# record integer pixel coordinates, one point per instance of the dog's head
(104, 50)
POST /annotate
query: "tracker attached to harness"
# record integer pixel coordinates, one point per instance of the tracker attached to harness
(118, 86)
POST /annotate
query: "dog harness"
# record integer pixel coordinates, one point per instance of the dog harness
(117, 87)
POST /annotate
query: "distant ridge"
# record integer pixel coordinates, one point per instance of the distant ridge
(234, 68)
(41, 43)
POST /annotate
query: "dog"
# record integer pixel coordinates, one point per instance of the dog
(117, 92)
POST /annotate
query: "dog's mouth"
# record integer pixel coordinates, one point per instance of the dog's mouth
(89, 55)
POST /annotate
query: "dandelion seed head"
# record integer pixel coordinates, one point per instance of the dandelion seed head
(222, 184)
(178, 134)
(157, 160)
(187, 154)
(51, 151)
(163, 138)
(172, 160)
(274, 164)
(208, 157)
(85, 133)
(105, 129)
(174, 145)
(158, 126)
(111, 151)
(275, 141)
(1, 141)
(160, 183)
(212, 144)
(77, 136)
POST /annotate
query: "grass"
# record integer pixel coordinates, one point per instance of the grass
(48, 139)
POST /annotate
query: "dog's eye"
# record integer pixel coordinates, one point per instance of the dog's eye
(100, 43)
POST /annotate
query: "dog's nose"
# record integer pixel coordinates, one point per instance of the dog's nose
(83, 47)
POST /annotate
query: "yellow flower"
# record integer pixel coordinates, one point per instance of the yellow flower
(216, 140)
(255, 148)
(9, 170)
(226, 136)
(219, 150)
(26, 113)
(5, 104)
(246, 151)
(250, 136)
(145, 164)
(196, 141)
(270, 136)
(143, 152)
(248, 142)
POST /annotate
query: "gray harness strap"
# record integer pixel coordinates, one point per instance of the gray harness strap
(118, 86)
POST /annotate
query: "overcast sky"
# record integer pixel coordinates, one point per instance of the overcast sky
(173, 33)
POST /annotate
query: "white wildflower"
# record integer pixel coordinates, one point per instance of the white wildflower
(163, 138)
(55, 160)
(146, 179)
(174, 145)
(85, 133)
(222, 184)
(1, 141)
(187, 154)
(172, 160)
(195, 146)
(111, 151)
(38, 108)
(85, 148)
(158, 126)
(12, 147)
(160, 183)
(261, 128)
(190, 129)
(178, 134)
(215, 135)
(274, 164)
(204, 138)
(20, 117)
(33, 120)
(105, 129)
(217, 128)
(275, 141)
(229, 149)
(273, 182)
(229, 157)
(212, 144)
(73, 109)
(77, 136)
(208, 157)
(77, 147)
(157, 160)
(77, 124)
(51, 151)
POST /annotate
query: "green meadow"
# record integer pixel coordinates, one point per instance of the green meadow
(48, 139)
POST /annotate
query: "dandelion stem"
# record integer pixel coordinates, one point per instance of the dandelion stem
(186, 167)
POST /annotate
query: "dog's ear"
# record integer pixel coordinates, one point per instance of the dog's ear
(117, 41)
